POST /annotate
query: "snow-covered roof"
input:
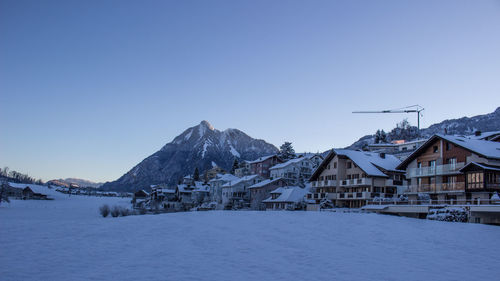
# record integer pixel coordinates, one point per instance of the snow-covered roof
(370, 161)
(144, 191)
(166, 190)
(288, 194)
(264, 183)
(287, 163)
(224, 177)
(239, 180)
(484, 135)
(260, 159)
(201, 187)
(482, 166)
(184, 188)
(490, 149)
(484, 148)
(34, 187)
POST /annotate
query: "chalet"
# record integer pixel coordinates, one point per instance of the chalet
(262, 190)
(29, 194)
(184, 193)
(316, 159)
(294, 171)
(235, 194)
(200, 192)
(453, 169)
(261, 165)
(398, 148)
(286, 198)
(141, 194)
(161, 193)
(350, 178)
(216, 186)
(489, 136)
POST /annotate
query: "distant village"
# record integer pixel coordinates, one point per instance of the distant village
(409, 178)
(400, 178)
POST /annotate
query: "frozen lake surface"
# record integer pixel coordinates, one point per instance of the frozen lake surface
(66, 239)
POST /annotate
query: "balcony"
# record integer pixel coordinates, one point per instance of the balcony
(431, 188)
(391, 182)
(324, 183)
(356, 182)
(354, 195)
(447, 169)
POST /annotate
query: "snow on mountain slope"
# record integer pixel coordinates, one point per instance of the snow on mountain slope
(197, 147)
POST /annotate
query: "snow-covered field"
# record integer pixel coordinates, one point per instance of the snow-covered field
(66, 239)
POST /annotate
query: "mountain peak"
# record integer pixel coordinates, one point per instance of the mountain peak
(197, 147)
(206, 124)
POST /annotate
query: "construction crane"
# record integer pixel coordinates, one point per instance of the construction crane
(409, 109)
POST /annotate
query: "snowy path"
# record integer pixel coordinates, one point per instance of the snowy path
(65, 239)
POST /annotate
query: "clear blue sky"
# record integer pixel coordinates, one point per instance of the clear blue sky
(90, 88)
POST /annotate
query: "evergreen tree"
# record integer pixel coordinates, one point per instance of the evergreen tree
(196, 174)
(380, 136)
(3, 193)
(286, 151)
(235, 165)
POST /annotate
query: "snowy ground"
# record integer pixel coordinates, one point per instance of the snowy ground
(66, 239)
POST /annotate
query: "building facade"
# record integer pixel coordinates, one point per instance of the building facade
(351, 178)
(453, 169)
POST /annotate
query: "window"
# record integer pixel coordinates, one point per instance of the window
(335, 165)
(349, 164)
(435, 149)
(432, 164)
(475, 180)
(452, 180)
(448, 146)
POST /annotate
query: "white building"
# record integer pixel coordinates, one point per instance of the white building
(216, 186)
(294, 171)
(286, 198)
(236, 193)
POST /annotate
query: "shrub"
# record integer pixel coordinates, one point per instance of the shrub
(124, 212)
(115, 211)
(104, 210)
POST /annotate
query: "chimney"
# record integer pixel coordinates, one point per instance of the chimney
(477, 133)
(382, 155)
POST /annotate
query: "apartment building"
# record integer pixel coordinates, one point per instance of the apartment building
(350, 178)
(453, 169)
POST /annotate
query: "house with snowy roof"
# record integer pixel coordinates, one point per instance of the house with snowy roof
(286, 198)
(262, 190)
(294, 171)
(216, 186)
(350, 178)
(30, 194)
(489, 136)
(235, 194)
(261, 165)
(200, 192)
(454, 169)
